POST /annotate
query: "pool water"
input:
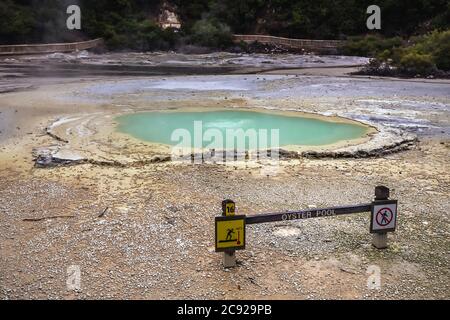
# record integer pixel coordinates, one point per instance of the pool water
(161, 127)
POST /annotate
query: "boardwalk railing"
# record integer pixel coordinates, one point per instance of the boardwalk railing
(230, 229)
(49, 48)
(331, 46)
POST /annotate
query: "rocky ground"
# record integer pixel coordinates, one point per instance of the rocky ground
(155, 239)
(146, 231)
(266, 61)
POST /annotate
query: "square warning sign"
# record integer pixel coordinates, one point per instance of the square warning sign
(230, 233)
(384, 216)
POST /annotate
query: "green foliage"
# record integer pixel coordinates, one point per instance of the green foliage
(416, 63)
(371, 46)
(124, 26)
(320, 19)
(131, 23)
(435, 44)
(425, 55)
(33, 21)
(211, 33)
(16, 22)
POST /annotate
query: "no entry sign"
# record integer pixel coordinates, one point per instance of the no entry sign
(384, 216)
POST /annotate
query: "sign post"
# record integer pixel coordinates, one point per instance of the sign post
(228, 208)
(230, 228)
(383, 217)
(230, 233)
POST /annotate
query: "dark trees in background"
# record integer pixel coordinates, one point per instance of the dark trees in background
(131, 23)
(330, 18)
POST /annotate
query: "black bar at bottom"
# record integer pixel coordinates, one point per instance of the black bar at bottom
(307, 214)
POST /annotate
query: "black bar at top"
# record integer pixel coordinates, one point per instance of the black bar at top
(306, 214)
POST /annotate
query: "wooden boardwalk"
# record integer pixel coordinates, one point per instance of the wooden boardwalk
(49, 48)
(323, 46)
(328, 46)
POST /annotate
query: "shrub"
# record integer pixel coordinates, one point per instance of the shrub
(142, 35)
(370, 46)
(211, 33)
(416, 63)
(424, 55)
(437, 44)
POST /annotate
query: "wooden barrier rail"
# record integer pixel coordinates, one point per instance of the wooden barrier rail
(306, 214)
(49, 48)
(230, 229)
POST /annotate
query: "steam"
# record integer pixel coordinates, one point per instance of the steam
(51, 20)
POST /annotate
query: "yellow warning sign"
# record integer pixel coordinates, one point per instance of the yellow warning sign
(230, 233)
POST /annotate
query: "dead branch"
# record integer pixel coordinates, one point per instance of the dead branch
(45, 218)
(103, 213)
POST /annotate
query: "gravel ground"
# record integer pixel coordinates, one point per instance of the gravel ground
(146, 232)
(266, 61)
(156, 239)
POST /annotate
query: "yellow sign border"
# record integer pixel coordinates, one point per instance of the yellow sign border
(230, 218)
